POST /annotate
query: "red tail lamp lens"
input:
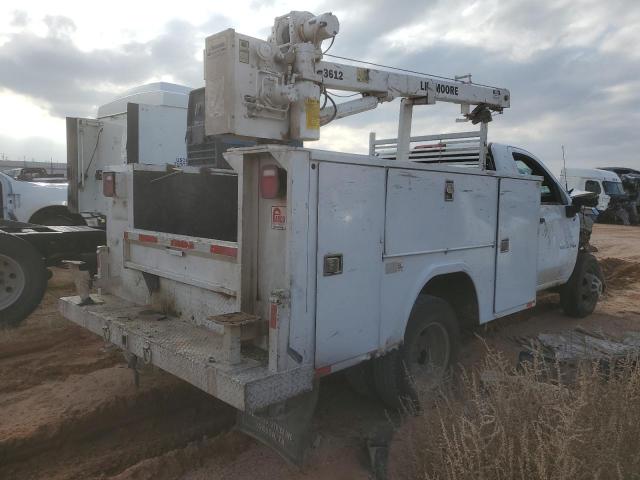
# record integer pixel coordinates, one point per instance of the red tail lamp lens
(109, 184)
(273, 182)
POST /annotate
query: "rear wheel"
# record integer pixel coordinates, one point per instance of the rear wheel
(431, 344)
(579, 296)
(23, 280)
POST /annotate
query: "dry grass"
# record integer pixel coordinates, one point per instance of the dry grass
(534, 423)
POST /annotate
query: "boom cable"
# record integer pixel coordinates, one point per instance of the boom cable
(405, 70)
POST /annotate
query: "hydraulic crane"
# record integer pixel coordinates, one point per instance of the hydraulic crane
(271, 90)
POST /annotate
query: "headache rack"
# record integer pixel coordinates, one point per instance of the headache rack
(462, 148)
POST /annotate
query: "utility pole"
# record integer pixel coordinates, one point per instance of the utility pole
(564, 166)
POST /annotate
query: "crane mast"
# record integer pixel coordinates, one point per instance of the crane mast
(272, 90)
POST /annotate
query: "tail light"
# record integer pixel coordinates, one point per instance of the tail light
(109, 184)
(273, 182)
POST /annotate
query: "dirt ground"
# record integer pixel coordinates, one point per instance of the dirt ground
(69, 408)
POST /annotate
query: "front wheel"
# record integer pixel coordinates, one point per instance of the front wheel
(23, 280)
(431, 344)
(579, 296)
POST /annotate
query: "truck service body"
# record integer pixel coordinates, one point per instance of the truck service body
(332, 267)
(252, 283)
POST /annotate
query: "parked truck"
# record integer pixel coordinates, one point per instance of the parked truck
(297, 263)
(146, 124)
(34, 201)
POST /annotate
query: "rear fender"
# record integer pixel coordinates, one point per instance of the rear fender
(430, 272)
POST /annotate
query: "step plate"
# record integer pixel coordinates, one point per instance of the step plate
(188, 351)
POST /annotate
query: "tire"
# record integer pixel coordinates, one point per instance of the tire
(579, 296)
(23, 280)
(360, 378)
(401, 374)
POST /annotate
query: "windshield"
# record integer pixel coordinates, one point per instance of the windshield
(613, 188)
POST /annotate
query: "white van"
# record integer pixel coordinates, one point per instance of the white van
(605, 183)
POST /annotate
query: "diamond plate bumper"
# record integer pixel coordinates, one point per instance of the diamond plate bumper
(190, 352)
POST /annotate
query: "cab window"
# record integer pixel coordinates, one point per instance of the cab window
(549, 190)
(613, 188)
(592, 186)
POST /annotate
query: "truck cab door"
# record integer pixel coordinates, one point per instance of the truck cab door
(558, 235)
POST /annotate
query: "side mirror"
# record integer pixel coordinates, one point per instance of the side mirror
(571, 210)
(580, 199)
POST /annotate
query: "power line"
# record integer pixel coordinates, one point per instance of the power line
(403, 69)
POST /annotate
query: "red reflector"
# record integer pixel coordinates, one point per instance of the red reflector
(147, 238)
(222, 250)
(109, 184)
(272, 181)
(182, 244)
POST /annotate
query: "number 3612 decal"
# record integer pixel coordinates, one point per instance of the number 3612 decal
(335, 74)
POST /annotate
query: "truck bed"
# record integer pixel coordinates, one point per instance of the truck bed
(191, 352)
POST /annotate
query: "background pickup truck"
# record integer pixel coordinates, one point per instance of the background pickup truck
(34, 201)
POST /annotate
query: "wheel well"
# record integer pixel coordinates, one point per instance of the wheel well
(459, 291)
(55, 210)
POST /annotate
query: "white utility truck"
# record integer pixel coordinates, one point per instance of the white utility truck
(299, 263)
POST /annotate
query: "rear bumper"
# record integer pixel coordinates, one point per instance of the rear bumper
(188, 351)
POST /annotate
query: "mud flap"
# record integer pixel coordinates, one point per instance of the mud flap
(285, 427)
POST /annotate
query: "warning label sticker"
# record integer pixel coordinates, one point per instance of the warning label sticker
(312, 107)
(279, 218)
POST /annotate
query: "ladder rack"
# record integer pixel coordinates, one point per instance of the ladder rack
(463, 148)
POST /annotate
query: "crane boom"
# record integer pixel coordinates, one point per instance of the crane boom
(271, 89)
(382, 83)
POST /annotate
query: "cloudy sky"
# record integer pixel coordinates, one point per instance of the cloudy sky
(573, 66)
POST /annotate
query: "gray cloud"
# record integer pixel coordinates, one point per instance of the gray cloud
(71, 81)
(562, 90)
(20, 18)
(32, 148)
(570, 66)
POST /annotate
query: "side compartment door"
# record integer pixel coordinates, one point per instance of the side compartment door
(351, 202)
(517, 248)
